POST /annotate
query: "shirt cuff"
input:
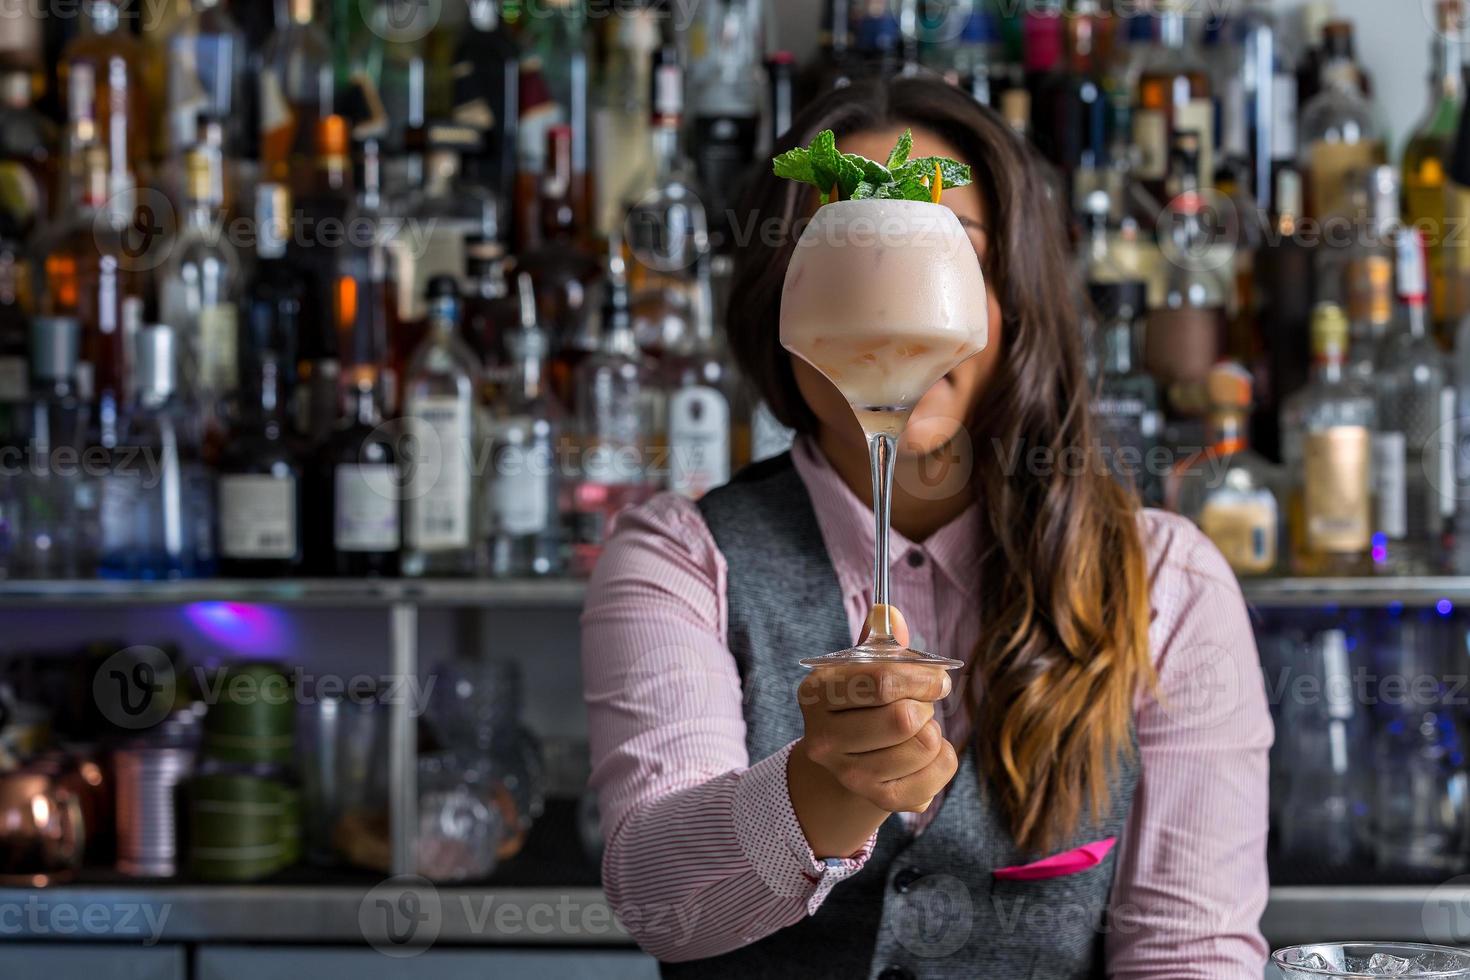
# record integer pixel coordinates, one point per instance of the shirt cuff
(772, 840)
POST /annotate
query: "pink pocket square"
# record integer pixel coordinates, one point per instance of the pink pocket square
(1059, 865)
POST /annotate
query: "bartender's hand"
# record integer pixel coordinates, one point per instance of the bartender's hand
(872, 747)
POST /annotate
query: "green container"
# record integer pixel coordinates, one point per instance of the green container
(242, 827)
(252, 715)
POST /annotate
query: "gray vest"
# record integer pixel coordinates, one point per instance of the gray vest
(923, 906)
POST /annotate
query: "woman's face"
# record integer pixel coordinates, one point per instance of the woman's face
(942, 412)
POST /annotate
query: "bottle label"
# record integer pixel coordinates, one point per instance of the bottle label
(522, 485)
(1198, 116)
(699, 440)
(1243, 527)
(1181, 346)
(119, 513)
(1390, 484)
(218, 347)
(1337, 504)
(1333, 167)
(1368, 286)
(257, 516)
(1151, 137)
(365, 507)
(439, 481)
(14, 380)
(1283, 117)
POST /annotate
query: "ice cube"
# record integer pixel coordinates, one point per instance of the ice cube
(1313, 961)
(1386, 965)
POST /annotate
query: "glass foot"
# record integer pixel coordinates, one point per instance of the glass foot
(889, 652)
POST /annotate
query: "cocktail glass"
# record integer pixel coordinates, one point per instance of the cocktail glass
(1362, 960)
(884, 298)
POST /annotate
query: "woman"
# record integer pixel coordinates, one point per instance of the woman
(1086, 798)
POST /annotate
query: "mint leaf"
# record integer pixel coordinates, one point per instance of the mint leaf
(873, 171)
(855, 177)
(953, 174)
(901, 151)
(795, 165)
(826, 161)
(904, 190)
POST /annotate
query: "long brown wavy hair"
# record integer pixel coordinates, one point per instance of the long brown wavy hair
(1065, 605)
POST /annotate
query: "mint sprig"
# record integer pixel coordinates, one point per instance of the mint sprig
(857, 178)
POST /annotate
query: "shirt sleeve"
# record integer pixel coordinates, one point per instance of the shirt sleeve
(704, 853)
(1192, 880)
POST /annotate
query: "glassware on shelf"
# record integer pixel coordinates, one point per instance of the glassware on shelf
(460, 828)
(1173, 97)
(297, 87)
(883, 317)
(206, 55)
(157, 504)
(1423, 792)
(475, 708)
(1325, 781)
(1410, 961)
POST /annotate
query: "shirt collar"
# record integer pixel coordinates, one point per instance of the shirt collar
(846, 524)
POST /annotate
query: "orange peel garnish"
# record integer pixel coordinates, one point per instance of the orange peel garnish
(936, 187)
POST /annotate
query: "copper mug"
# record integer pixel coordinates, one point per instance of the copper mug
(41, 832)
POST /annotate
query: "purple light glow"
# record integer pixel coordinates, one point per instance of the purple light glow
(240, 627)
(1445, 607)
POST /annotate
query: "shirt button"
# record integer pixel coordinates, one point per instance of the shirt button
(916, 559)
(906, 879)
(895, 973)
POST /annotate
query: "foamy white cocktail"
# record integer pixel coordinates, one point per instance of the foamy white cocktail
(884, 298)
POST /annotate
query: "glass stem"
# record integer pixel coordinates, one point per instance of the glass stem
(881, 448)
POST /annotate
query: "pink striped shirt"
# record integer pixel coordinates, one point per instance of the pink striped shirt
(704, 852)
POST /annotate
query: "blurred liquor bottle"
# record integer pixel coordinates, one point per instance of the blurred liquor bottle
(725, 106)
(28, 157)
(102, 72)
(1327, 436)
(665, 225)
(260, 479)
(486, 96)
(363, 484)
(200, 282)
(562, 271)
(706, 432)
(1414, 445)
(439, 398)
(1173, 97)
(1229, 490)
(523, 532)
(297, 89)
(1431, 202)
(87, 273)
(1339, 130)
